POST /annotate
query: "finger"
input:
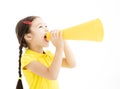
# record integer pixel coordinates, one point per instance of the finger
(57, 34)
(60, 34)
(51, 35)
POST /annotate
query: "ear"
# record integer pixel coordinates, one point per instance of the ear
(28, 37)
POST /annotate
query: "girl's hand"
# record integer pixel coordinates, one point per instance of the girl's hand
(56, 39)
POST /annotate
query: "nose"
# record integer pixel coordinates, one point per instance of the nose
(46, 29)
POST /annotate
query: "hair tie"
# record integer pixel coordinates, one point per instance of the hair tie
(20, 78)
(27, 22)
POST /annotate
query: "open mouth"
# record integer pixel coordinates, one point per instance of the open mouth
(45, 37)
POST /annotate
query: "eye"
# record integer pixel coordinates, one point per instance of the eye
(40, 26)
(46, 26)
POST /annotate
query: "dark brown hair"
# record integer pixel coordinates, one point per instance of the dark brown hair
(22, 29)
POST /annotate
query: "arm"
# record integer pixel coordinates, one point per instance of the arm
(69, 60)
(53, 71)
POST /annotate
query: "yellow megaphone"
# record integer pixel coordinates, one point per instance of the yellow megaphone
(92, 30)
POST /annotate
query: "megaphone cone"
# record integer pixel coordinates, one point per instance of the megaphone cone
(92, 30)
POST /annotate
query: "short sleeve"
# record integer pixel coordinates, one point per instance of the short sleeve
(26, 59)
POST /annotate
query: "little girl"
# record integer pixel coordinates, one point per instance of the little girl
(41, 67)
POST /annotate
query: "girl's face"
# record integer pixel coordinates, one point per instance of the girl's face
(38, 31)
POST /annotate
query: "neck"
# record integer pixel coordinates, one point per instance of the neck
(37, 49)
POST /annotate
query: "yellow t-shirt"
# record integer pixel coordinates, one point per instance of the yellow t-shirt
(35, 81)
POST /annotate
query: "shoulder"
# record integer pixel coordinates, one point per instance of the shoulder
(27, 57)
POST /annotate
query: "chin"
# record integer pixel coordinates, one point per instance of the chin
(46, 45)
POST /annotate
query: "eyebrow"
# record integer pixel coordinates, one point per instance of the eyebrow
(41, 24)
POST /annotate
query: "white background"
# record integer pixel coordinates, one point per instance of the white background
(98, 63)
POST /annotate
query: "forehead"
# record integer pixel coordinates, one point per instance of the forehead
(37, 21)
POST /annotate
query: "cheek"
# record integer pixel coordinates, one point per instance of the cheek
(38, 38)
(38, 35)
(41, 32)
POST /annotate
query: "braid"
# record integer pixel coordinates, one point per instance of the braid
(20, 54)
(19, 84)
